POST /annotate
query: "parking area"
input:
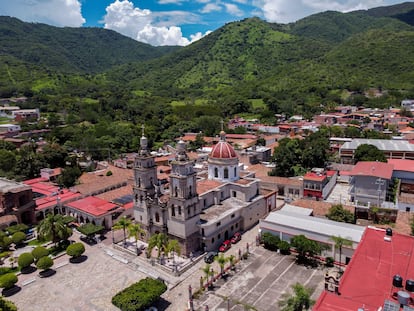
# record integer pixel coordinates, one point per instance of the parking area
(260, 283)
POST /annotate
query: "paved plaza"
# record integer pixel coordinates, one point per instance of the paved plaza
(258, 281)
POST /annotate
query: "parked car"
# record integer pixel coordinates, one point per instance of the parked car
(209, 257)
(236, 238)
(225, 246)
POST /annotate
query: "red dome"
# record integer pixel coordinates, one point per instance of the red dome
(223, 150)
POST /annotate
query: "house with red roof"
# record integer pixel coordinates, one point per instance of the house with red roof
(380, 276)
(318, 183)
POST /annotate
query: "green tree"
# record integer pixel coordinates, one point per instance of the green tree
(173, 246)
(25, 260)
(53, 228)
(305, 247)
(221, 260)
(270, 241)
(231, 259)
(158, 240)
(207, 271)
(44, 263)
(8, 280)
(69, 176)
(39, 252)
(135, 231)
(338, 213)
(367, 152)
(55, 155)
(75, 250)
(299, 301)
(5, 241)
(7, 160)
(18, 237)
(339, 243)
(123, 223)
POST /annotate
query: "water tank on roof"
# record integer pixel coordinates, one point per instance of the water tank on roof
(403, 298)
(409, 285)
(397, 281)
(388, 232)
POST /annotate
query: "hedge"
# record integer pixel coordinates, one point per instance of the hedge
(44, 263)
(18, 237)
(139, 296)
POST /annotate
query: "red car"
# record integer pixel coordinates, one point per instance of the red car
(236, 238)
(225, 246)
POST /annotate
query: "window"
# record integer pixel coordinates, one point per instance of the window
(139, 182)
(202, 232)
(232, 215)
(218, 224)
(176, 191)
(173, 210)
(226, 173)
(235, 172)
(234, 194)
(212, 240)
(216, 172)
(157, 217)
(188, 210)
(179, 210)
(219, 236)
(191, 191)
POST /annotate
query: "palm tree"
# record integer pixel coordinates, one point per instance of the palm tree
(158, 240)
(339, 243)
(123, 224)
(231, 259)
(173, 246)
(207, 271)
(298, 301)
(221, 260)
(135, 230)
(53, 228)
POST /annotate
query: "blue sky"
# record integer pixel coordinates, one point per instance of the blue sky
(170, 22)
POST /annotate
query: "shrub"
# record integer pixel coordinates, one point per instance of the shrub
(8, 280)
(329, 261)
(39, 252)
(75, 249)
(139, 296)
(6, 305)
(284, 247)
(44, 263)
(270, 241)
(5, 241)
(25, 260)
(17, 228)
(109, 173)
(18, 237)
(5, 270)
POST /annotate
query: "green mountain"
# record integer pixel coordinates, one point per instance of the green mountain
(75, 50)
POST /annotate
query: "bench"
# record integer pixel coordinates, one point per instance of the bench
(27, 282)
(61, 264)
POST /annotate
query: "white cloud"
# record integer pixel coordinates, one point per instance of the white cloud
(211, 7)
(233, 9)
(52, 12)
(178, 2)
(155, 28)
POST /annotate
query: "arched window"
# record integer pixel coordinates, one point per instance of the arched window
(139, 182)
(216, 172)
(176, 191)
(235, 171)
(157, 217)
(173, 210)
(226, 173)
(191, 191)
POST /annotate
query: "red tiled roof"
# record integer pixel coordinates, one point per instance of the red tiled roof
(93, 206)
(373, 169)
(206, 185)
(402, 165)
(367, 281)
(314, 177)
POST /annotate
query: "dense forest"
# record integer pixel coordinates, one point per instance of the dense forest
(96, 87)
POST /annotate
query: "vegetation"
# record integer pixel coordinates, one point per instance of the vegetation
(44, 263)
(90, 229)
(123, 224)
(221, 260)
(6, 305)
(8, 280)
(305, 247)
(158, 240)
(39, 252)
(299, 301)
(5, 241)
(139, 296)
(75, 250)
(17, 228)
(134, 230)
(18, 237)
(338, 213)
(339, 243)
(366, 152)
(270, 241)
(53, 228)
(25, 260)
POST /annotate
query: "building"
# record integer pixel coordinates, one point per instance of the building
(16, 203)
(392, 149)
(202, 209)
(26, 114)
(404, 172)
(370, 183)
(380, 275)
(9, 130)
(291, 221)
(318, 183)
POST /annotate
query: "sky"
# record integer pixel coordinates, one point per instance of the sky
(171, 22)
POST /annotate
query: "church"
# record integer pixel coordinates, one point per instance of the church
(199, 209)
